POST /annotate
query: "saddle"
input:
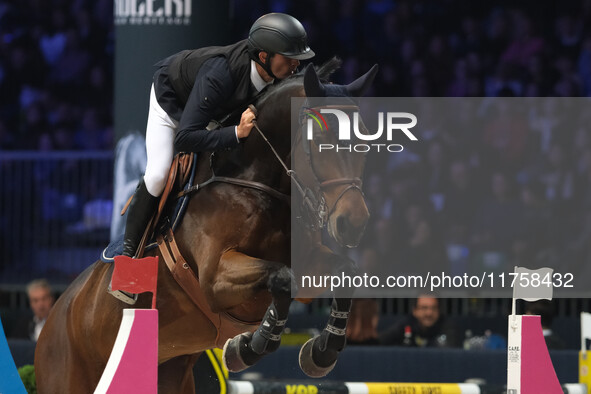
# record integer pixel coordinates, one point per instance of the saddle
(180, 173)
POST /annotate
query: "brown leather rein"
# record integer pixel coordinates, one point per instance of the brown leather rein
(316, 207)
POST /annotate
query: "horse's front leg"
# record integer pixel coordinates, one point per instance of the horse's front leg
(246, 349)
(318, 355)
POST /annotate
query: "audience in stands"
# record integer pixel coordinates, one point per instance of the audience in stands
(56, 93)
(425, 327)
(56, 73)
(362, 327)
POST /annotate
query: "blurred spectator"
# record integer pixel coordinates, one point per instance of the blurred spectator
(426, 327)
(384, 249)
(526, 43)
(498, 219)
(435, 174)
(363, 322)
(460, 197)
(584, 66)
(557, 175)
(455, 48)
(53, 40)
(539, 226)
(546, 310)
(41, 301)
(506, 133)
(421, 249)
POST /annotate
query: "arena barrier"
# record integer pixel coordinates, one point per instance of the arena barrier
(133, 364)
(529, 367)
(10, 381)
(311, 387)
(529, 371)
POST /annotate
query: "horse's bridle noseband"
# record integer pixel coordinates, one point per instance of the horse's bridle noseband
(351, 183)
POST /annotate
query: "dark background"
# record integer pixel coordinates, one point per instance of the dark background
(57, 94)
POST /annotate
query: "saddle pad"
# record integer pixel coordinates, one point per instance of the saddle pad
(115, 248)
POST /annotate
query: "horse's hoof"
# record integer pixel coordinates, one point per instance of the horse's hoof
(231, 354)
(307, 364)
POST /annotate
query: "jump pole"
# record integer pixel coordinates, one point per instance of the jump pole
(335, 387)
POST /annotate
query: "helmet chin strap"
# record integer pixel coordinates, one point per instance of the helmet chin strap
(266, 65)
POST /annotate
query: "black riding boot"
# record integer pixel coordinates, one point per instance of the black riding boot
(139, 213)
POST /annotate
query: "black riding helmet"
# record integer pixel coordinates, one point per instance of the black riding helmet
(278, 33)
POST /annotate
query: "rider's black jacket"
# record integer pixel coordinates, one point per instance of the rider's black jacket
(197, 86)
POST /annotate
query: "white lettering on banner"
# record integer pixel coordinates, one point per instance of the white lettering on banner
(153, 12)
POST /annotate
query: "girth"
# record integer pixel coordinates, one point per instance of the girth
(226, 325)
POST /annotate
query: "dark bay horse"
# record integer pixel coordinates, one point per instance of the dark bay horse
(236, 239)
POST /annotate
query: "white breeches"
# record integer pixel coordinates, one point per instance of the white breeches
(160, 132)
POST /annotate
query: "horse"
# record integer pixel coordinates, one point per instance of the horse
(235, 237)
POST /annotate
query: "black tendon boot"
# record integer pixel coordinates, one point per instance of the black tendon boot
(139, 213)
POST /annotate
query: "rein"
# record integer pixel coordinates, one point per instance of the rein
(316, 207)
(239, 182)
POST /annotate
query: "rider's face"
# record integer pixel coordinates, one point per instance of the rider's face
(281, 66)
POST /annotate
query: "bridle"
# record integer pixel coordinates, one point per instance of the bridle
(317, 196)
(314, 209)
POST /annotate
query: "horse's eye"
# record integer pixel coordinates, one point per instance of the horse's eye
(321, 135)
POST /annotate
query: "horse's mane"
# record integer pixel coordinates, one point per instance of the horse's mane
(328, 68)
(323, 71)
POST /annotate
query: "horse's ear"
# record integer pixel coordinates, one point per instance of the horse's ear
(359, 86)
(312, 84)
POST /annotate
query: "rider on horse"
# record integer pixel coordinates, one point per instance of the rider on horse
(195, 91)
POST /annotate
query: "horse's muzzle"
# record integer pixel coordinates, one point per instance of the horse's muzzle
(349, 233)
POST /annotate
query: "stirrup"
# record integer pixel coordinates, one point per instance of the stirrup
(128, 298)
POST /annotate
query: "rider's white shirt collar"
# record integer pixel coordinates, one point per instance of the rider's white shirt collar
(258, 82)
